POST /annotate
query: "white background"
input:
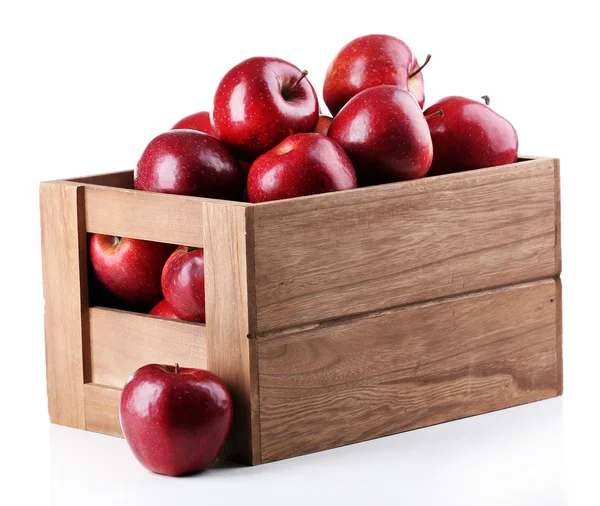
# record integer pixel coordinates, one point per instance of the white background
(85, 85)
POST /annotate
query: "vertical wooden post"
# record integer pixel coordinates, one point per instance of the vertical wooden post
(230, 317)
(65, 294)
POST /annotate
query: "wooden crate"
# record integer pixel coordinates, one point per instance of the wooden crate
(333, 318)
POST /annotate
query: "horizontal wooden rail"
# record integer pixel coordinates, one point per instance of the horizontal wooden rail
(121, 342)
(334, 255)
(102, 409)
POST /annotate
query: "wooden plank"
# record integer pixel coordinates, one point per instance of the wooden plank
(159, 217)
(332, 255)
(102, 409)
(229, 305)
(121, 342)
(123, 179)
(360, 378)
(559, 337)
(557, 220)
(65, 294)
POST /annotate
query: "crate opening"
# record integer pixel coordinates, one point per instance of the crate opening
(146, 277)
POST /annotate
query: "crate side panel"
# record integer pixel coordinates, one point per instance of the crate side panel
(370, 376)
(330, 256)
(121, 342)
(65, 296)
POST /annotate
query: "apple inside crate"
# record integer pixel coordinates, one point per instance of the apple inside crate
(333, 318)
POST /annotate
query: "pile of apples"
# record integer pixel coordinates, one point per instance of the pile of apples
(266, 140)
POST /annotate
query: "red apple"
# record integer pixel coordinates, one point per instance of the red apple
(183, 283)
(175, 420)
(370, 61)
(130, 269)
(385, 134)
(260, 102)
(302, 164)
(163, 310)
(188, 162)
(469, 135)
(199, 121)
(323, 124)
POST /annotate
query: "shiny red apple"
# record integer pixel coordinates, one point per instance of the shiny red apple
(470, 135)
(199, 121)
(130, 269)
(260, 102)
(163, 310)
(188, 162)
(370, 61)
(302, 164)
(183, 283)
(385, 134)
(323, 124)
(175, 420)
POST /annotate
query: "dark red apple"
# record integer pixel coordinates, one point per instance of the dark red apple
(370, 61)
(183, 283)
(260, 102)
(199, 121)
(323, 124)
(163, 310)
(188, 162)
(130, 269)
(470, 135)
(385, 134)
(175, 420)
(302, 164)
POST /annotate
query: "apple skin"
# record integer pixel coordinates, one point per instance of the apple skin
(323, 124)
(470, 135)
(256, 105)
(183, 283)
(199, 121)
(175, 420)
(302, 164)
(368, 61)
(130, 269)
(385, 134)
(188, 162)
(163, 310)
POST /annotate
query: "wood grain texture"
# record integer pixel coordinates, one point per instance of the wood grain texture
(369, 376)
(173, 219)
(123, 179)
(333, 255)
(102, 409)
(65, 296)
(228, 267)
(121, 342)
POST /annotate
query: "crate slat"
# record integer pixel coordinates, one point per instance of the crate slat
(121, 342)
(159, 217)
(346, 253)
(65, 296)
(365, 377)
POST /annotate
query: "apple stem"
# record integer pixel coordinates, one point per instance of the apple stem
(295, 83)
(486, 99)
(117, 240)
(177, 370)
(413, 74)
(434, 114)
